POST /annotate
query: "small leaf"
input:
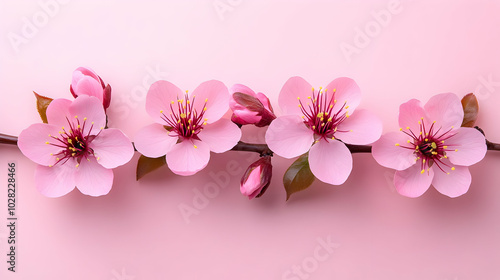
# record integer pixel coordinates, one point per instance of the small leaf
(471, 108)
(42, 103)
(147, 165)
(298, 176)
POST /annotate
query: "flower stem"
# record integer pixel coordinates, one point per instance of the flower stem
(262, 149)
(7, 139)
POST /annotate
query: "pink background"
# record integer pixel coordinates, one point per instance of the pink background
(138, 232)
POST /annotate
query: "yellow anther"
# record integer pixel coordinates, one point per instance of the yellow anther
(333, 137)
(347, 107)
(187, 91)
(183, 115)
(63, 128)
(445, 147)
(196, 147)
(161, 111)
(192, 131)
(448, 173)
(204, 109)
(300, 106)
(350, 130)
(50, 165)
(98, 158)
(308, 97)
(329, 119)
(57, 158)
(409, 141)
(102, 127)
(47, 142)
(314, 127)
(334, 90)
(400, 129)
(77, 164)
(397, 144)
(92, 123)
(422, 172)
(50, 135)
(73, 154)
(407, 127)
(85, 118)
(206, 99)
(78, 126)
(76, 117)
(423, 160)
(335, 100)
(453, 168)
(456, 150)
(70, 141)
(172, 102)
(426, 140)
(298, 98)
(51, 154)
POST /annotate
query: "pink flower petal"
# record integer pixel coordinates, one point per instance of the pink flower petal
(243, 89)
(55, 181)
(58, 111)
(468, 146)
(89, 86)
(411, 182)
(361, 128)
(289, 137)
(410, 114)
(92, 178)
(81, 72)
(446, 109)
(387, 154)
(252, 186)
(112, 148)
(154, 141)
(188, 157)
(265, 101)
(293, 88)
(330, 162)
(346, 92)
(245, 117)
(159, 98)
(216, 95)
(454, 184)
(88, 107)
(33, 143)
(220, 136)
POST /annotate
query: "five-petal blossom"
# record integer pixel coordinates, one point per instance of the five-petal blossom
(188, 126)
(431, 147)
(321, 121)
(74, 149)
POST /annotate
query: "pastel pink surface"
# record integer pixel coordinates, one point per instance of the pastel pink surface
(419, 49)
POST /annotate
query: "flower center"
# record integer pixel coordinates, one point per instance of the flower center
(319, 115)
(185, 120)
(74, 142)
(429, 146)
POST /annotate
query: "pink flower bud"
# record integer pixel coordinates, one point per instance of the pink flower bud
(249, 107)
(257, 178)
(86, 82)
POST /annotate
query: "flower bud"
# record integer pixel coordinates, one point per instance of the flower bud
(249, 107)
(257, 178)
(85, 81)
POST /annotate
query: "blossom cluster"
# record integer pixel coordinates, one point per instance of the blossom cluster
(318, 125)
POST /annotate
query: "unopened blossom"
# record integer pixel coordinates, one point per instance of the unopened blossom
(188, 125)
(86, 82)
(431, 147)
(320, 121)
(249, 107)
(257, 178)
(74, 149)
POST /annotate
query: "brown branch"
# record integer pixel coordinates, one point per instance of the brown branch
(7, 139)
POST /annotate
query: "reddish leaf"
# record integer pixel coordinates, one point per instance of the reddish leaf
(471, 108)
(147, 165)
(42, 103)
(298, 176)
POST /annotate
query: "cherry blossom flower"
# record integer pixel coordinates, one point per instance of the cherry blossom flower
(74, 149)
(431, 147)
(320, 121)
(250, 107)
(86, 82)
(257, 178)
(188, 126)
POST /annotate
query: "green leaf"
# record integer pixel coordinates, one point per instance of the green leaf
(298, 176)
(147, 165)
(471, 109)
(42, 103)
